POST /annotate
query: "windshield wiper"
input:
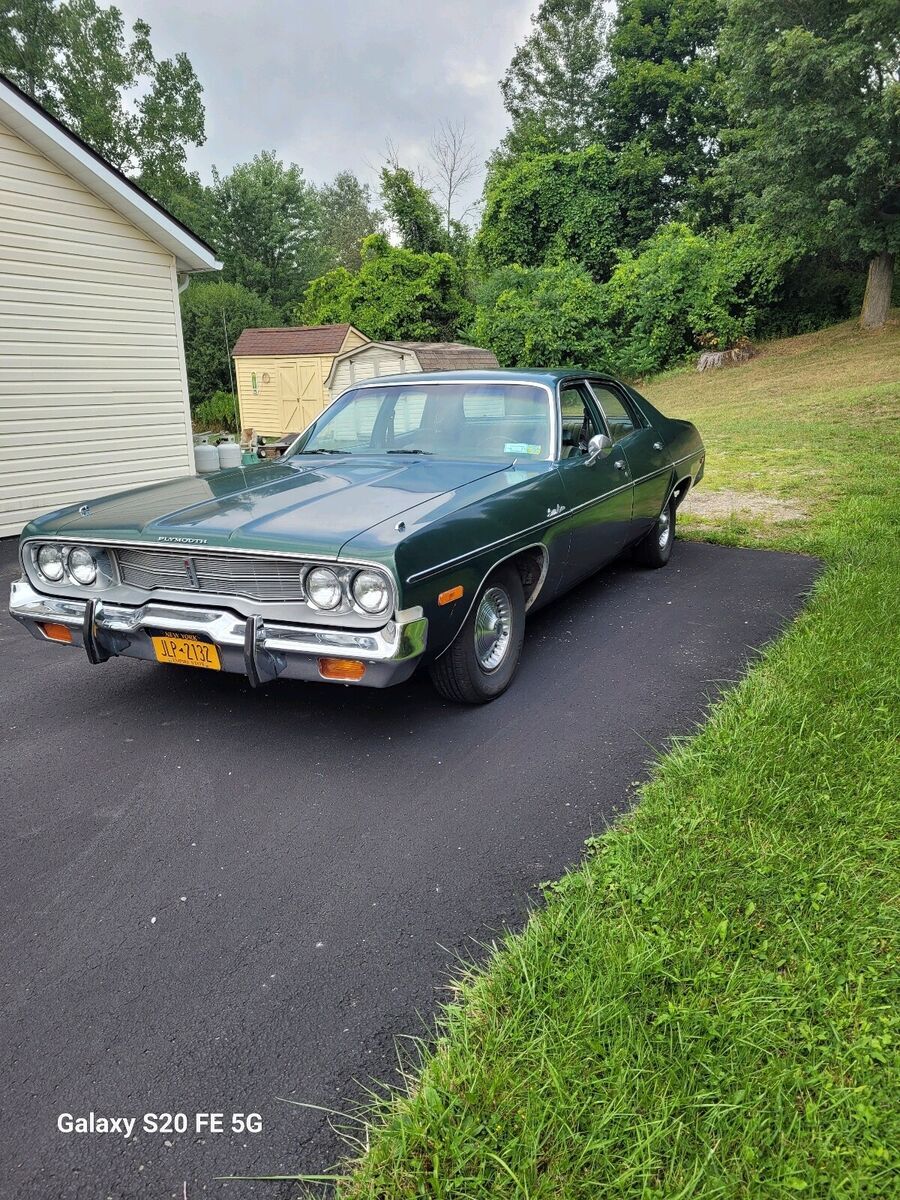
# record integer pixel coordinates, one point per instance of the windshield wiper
(409, 451)
(323, 450)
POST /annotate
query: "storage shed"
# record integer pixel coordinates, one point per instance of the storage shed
(281, 373)
(93, 387)
(395, 358)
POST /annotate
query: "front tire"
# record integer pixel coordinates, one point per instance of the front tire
(654, 549)
(480, 664)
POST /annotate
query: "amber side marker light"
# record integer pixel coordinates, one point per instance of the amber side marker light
(56, 632)
(450, 595)
(341, 668)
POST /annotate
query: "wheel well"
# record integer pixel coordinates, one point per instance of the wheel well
(532, 567)
(680, 490)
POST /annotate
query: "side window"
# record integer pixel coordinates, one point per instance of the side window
(578, 422)
(619, 418)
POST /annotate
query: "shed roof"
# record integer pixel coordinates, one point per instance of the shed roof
(293, 339)
(448, 356)
(31, 122)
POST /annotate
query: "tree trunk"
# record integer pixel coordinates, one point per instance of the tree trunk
(877, 300)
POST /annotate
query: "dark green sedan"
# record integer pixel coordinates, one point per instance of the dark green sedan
(416, 521)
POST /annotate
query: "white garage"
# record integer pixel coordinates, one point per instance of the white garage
(93, 388)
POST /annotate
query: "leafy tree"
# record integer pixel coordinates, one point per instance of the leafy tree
(213, 315)
(816, 107)
(542, 316)
(396, 294)
(554, 87)
(77, 60)
(684, 290)
(417, 219)
(665, 90)
(266, 229)
(582, 207)
(347, 215)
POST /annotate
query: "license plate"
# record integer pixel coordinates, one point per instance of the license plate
(186, 651)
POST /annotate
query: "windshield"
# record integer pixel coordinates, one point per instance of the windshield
(447, 420)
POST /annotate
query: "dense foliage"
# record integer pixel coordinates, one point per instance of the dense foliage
(218, 412)
(397, 293)
(213, 315)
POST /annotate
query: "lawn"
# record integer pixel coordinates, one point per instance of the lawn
(707, 1006)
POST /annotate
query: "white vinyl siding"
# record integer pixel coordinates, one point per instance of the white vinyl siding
(369, 362)
(93, 396)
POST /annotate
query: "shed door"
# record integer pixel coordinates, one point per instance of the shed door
(311, 397)
(289, 396)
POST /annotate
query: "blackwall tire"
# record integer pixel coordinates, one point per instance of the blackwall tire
(655, 549)
(480, 664)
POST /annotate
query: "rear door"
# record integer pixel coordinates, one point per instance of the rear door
(597, 496)
(643, 449)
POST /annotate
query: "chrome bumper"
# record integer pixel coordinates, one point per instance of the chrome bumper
(261, 650)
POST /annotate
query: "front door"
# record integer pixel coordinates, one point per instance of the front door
(644, 451)
(597, 495)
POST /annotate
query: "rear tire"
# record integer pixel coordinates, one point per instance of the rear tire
(655, 548)
(480, 664)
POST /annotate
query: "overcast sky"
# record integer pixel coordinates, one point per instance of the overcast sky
(325, 82)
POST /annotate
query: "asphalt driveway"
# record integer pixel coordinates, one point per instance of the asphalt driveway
(213, 897)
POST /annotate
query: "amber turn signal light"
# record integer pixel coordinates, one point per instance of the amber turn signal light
(56, 632)
(341, 668)
(450, 595)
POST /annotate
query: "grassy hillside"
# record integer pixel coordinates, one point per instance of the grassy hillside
(706, 1007)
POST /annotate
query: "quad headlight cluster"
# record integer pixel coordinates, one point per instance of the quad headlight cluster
(68, 564)
(327, 589)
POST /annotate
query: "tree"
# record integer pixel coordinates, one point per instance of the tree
(213, 315)
(554, 87)
(77, 60)
(396, 294)
(816, 114)
(532, 317)
(455, 165)
(414, 215)
(579, 207)
(346, 216)
(665, 90)
(266, 229)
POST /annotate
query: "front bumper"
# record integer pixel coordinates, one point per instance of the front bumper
(261, 650)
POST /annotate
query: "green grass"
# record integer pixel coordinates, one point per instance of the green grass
(707, 1006)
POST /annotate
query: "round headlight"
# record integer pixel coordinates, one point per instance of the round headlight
(50, 563)
(81, 566)
(371, 592)
(323, 588)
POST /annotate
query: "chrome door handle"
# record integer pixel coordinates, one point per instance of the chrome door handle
(619, 464)
(657, 445)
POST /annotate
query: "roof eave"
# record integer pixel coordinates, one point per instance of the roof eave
(33, 125)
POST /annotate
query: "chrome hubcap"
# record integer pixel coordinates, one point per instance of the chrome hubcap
(664, 529)
(492, 629)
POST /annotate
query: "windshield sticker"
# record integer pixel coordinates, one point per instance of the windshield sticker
(521, 448)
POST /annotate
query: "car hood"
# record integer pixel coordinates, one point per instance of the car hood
(291, 505)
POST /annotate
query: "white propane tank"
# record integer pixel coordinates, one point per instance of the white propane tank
(229, 455)
(206, 459)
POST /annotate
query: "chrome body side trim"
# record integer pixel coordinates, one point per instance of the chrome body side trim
(278, 650)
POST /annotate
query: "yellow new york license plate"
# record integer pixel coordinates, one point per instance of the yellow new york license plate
(186, 651)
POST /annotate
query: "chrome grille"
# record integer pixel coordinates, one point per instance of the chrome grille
(224, 574)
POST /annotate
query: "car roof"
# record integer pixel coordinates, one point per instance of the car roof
(548, 376)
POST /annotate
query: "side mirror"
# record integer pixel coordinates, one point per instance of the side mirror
(598, 447)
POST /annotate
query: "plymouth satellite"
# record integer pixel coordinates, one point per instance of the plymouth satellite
(415, 521)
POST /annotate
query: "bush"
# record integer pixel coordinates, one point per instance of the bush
(217, 412)
(542, 317)
(397, 293)
(685, 290)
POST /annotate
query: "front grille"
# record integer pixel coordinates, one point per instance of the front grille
(224, 574)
